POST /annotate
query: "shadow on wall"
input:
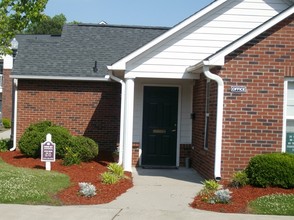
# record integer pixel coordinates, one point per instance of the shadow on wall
(91, 109)
(104, 125)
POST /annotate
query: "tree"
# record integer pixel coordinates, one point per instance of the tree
(15, 16)
(47, 25)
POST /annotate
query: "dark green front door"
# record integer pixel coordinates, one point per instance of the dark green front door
(160, 118)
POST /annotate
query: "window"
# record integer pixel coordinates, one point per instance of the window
(207, 102)
(289, 116)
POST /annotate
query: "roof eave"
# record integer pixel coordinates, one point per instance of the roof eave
(65, 78)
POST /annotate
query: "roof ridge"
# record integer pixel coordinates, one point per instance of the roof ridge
(119, 26)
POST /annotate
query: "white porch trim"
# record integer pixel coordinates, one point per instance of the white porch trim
(128, 125)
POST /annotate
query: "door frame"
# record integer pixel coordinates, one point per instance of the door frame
(178, 118)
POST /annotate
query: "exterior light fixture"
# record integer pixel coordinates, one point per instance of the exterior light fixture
(14, 47)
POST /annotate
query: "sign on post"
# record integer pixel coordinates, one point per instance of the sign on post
(290, 143)
(48, 152)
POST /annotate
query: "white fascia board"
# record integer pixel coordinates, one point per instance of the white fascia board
(121, 64)
(158, 75)
(219, 57)
(105, 78)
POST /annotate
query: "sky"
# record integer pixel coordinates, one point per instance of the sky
(165, 13)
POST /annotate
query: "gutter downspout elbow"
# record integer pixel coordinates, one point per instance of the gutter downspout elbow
(122, 113)
(219, 120)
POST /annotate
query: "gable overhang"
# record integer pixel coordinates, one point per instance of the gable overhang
(122, 64)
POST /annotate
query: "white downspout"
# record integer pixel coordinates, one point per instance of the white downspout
(122, 115)
(219, 119)
(15, 84)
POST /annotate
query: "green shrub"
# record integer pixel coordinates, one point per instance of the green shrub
(211, 185)
(4, 145)
(6, 123)
(109, 178)
(207, 193)
(61, 137)
(271, 170)
(116, 169)
(86, 148)
(239, 179)
(70, 157)
(30, 142)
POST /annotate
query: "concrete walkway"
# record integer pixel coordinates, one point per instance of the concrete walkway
(5, 134)
(156, 195)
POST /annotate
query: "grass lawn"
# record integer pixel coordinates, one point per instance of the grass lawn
(279, 204)
(28, 186)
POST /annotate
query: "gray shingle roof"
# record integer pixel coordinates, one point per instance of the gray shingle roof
(73, 54)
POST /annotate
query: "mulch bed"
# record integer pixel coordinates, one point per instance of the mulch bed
(90, 172)
(240, 199)
(84, 172)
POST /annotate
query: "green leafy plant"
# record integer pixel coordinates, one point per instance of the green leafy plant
(239, 179)
(274, 169)
(109, 178)
(211, 185)
(6, 123)
(116, 169)
(84, 147)
(70, 157)
(87, 189)
(4, 145)
(113, 175)
(209, 188)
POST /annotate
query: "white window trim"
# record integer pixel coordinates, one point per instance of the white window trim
(287, 80)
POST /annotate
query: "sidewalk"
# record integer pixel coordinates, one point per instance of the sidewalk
(156, 195)
(5, 134)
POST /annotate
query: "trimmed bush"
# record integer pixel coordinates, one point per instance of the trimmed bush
(61, 137)
(271, 170)
(86, 148)
(6, 123)
(4, 145)
(70, 158)
(30, 142)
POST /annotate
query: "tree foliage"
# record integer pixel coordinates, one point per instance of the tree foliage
(15, 16)
(47, 25)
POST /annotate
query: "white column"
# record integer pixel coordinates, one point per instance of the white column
(128, 123)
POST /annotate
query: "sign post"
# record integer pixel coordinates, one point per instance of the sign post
(48, 152)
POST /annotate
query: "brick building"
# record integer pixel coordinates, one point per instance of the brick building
(216, 88)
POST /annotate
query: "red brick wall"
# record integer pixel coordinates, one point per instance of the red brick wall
(91, 109)
(253, 121)
(6, 94)
(202, 159)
